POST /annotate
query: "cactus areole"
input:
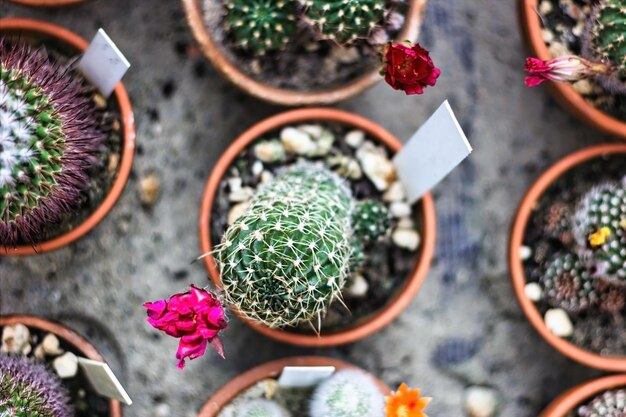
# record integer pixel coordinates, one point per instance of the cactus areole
(49, 138)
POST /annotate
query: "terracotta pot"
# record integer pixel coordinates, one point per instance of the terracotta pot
(48, 3)
(594, 360)
(50, 31)
(427, 218)
(564, 93)
(212, 50)
(67, 335)
(271, 370)
(571, 399)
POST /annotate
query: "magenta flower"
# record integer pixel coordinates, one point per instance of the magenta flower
(196, 317)
(565, 68)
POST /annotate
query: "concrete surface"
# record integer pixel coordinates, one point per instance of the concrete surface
(463, 328)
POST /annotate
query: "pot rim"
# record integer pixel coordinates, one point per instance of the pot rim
(69, 336)
(575, 396)
(47, 3)
(564, 93)
(428, 217)
(127, 120)
(518, 277)
(212, 51)
(272, 369)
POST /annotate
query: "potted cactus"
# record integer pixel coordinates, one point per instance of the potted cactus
(65, 151)
(578, 44)
(568, 256)
(38, 374)
(603, 397)
(304, 52)
(348, 392)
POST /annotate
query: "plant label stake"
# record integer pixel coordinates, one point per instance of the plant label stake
(304, 376)
(432, 153)
(103, 63)
(103, 380)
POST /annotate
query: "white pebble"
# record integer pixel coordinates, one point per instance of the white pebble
(162, 410)
(395, 192)
(266, 176)
(355, 138)
(545, 7)
(66, 365)
(481, 402)
(406, 238)
(243, 194)
(236, 211)
(313, 130)
(269, 151)
(297, 141)
(234, 184)
(525, 252)
(400, 209)
(558, 322)
(533, 291)
(257, 168)
(359, 286)
(50, 345)
(15, 339)
(406, 223)
(376, 165)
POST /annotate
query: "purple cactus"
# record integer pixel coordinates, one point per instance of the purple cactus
(49, 140)
(28, 388)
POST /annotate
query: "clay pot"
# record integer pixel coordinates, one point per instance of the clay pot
(426, 211)
(571, 399)
(47, 3)
(212, 50)
(564, 93)
(270, 370)
(67, 335)
(45, 30)
(594, 360)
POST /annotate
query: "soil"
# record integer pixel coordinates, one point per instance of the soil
(386, 267)
(104, 172)
(306, 64)
(593, 331)
(84, 400)
(565, 22)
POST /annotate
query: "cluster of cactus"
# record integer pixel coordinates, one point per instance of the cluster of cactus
(609, 404)
(262, 26)
(287, 257)
(348, 393)
(48, 141)
(28, 389)
(261, 408)
(593, 274)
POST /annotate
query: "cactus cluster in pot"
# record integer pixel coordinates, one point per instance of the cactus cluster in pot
(49, 139)
(608, 404)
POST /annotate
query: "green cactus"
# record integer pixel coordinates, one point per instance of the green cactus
(370, 220)
(261, 26)
(287, 256)
(600, 230)
(609, 404)
(348, 393)
(567, 284)
(261, 408)
(344, 21)
(607, 31)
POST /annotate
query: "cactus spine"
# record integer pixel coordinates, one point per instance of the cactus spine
(609, 404)
(348, 393)
(261, 408)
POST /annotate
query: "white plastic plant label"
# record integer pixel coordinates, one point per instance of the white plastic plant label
(431, 153)
(304, 376)
(103, 380)
(103, 63)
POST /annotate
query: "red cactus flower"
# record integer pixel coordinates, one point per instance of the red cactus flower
(408, 67)
(568, 68)
(196, 317)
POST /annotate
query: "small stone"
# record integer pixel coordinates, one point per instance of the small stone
(406, 223)
(243, 194)
(376, 165)
(345, 55)
(584, 87)
(15, 339)
(162, 410)
(257, 168)
(312, 46)
(525, 252)
(51, 345)
(558, 49)
(114, 161)
(270, 387)
(66, 365)
(100, 101)
(323, 143)
(39, 353)
(255, 66)
(359, 286)
(481, 401)
(236, 211)
(579, 28)
(406, 238)
(269, 151)
(234, 184)
(297, 141)
(533, 291)
(355, 138)
(395, 192)
(547, 35)
(116, 125)
(345, 166)
(558, 322)
(315, 131)
(545, 7)
(266, 176)
(150, 188)
(400, 209)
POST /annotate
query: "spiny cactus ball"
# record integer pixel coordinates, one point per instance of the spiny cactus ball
(370, 220)
(609, 404)
(261, 26)
(606, 40)
(600, 230)
(48, 138)
(348, 393)
(28, 389)
(567, 284)
(344, 21)
(287, 256)
(261, 408)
